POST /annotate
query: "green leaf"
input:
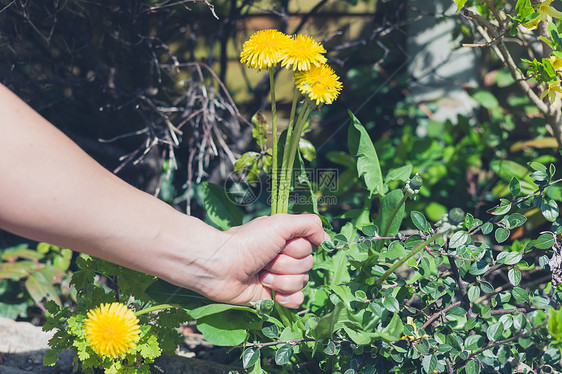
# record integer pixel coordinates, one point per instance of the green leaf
(207, 310)
(399, 174)
(479, 268)
(509, 258)
(40, 285)
(250, 356)
(473, 293)
(271, 331)
(495, 331)
(472, 367)
(520, 295)
(220, 206)
(307, 150)
(486, 287)
(283, 354)
(501, 234)
(259, 131)
(549, 209)
(388, 204)
(458, 239)
(545, 241)
(419, 221)
(503, 208)
(330, 348)
(221, 332)
(167, 293)
(474, 342)
(514, 276)
(362, 148)
(17, 270)
(540, 302)
(391, 304)
(514, 187)
(429, 363)
(516, 220)
(487, 228)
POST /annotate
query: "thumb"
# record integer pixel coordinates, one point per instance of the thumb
(307, 226)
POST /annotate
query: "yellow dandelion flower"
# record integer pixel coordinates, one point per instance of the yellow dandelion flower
(112, 329)
(552, 91)
(302, 52)
(544, 10)
(320, 83)
(264, 49)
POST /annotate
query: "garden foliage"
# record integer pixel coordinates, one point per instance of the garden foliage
(445, 253)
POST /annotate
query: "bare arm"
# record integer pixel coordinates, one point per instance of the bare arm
(50, 190)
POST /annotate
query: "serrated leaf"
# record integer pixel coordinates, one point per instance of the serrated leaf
(362, 148)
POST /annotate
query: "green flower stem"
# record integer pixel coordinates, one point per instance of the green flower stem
(292, 151)
(274, 192)
(412, 253)
(155, 308)
(290, 128)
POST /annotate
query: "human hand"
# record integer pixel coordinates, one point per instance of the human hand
(268, 253)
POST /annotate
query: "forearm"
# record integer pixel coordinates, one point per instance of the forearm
(50, 190)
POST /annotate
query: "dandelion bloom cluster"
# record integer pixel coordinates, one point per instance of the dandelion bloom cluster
(300, 53)
(303, 52)
(264, 49)
(112, 329)
(320, 83)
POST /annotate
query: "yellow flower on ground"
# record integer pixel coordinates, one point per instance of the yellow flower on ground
(112, 329)
(264, 49)
(303, 52)
(544, 10)
(320, 83)
(416, 336)
(552, 91)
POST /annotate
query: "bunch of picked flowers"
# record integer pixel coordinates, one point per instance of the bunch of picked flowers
(315, 84)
